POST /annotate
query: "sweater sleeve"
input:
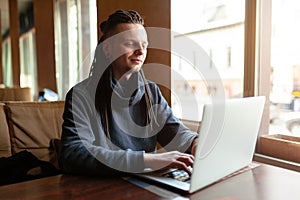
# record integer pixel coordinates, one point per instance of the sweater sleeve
(84, 147)
(173, 135)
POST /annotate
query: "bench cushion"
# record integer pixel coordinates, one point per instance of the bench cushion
(33, 125)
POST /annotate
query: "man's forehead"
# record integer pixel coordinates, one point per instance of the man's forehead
(133, 34)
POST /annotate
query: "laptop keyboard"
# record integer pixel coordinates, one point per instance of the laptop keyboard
(179, 175)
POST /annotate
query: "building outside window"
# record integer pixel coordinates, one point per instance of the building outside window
(217, 29)
(285, 68)
(217, 26)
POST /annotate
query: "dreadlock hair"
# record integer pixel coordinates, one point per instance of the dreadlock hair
(119, 17)
(104, 91)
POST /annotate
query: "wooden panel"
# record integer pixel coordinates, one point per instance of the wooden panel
(14, 38)
(250, 42)
(45, 49)
(156, 13)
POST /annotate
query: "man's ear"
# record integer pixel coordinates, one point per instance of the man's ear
(106, 48)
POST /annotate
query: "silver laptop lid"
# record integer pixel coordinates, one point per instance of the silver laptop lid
(226, 142)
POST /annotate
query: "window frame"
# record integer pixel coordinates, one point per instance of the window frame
(257, 76)
(257, 54)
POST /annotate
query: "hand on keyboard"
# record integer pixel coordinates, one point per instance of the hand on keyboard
(178, 174)
(172, 159)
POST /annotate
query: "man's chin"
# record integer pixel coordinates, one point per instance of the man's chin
(135, 69)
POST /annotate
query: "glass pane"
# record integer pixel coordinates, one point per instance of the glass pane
(28, 63)
(72, 51)
(215, 31)
(73, 42)
(59, 44)
(6, 61)
(285, 68)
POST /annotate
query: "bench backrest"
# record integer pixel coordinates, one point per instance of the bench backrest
(5, 146)
(15, 94)
(32, 126)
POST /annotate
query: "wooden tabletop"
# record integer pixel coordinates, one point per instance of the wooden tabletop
(264, 182)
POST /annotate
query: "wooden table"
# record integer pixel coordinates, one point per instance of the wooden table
(264, 182)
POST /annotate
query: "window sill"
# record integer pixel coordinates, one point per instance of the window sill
(280, 146)
(279, 150)
(276, 162)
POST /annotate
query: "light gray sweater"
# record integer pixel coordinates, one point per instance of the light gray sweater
(85, 148)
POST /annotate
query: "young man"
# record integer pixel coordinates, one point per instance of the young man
(114, 119)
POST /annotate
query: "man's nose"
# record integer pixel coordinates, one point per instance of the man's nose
(139, 51)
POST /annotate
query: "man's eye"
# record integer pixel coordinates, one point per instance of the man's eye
(136, 45)
(129, 43)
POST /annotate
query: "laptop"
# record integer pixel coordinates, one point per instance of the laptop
(227, 140)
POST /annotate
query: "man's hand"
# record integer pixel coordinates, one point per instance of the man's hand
(173, 159)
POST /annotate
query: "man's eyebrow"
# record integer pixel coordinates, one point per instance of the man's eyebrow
(135, 40)
(129, 39)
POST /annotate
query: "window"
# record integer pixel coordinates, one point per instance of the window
(285, 68)
(6, 61)
(28, 63)
(267, 33)
(216, 30)
(67, 45)
(75, 40)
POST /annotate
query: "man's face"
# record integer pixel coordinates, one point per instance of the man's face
(127, 49)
